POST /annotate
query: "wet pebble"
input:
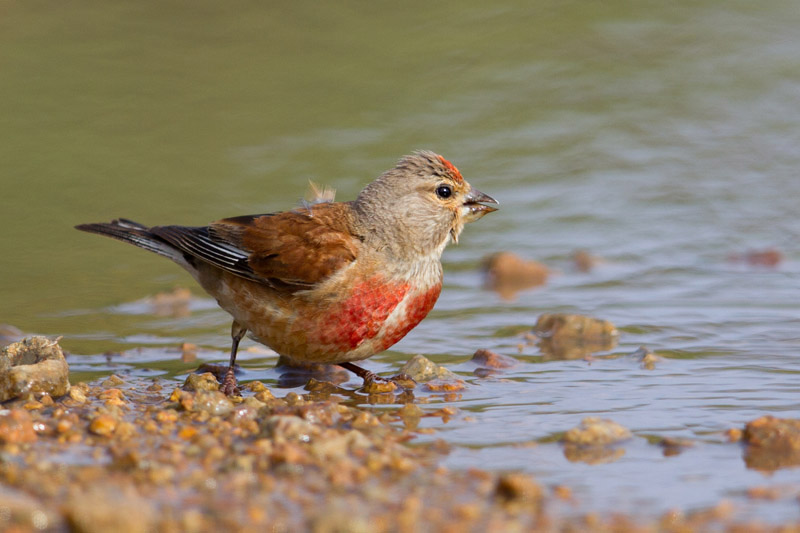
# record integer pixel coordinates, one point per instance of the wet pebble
(507, 273)
(445, 385)
(768, 257)
(646, 357)
(197, 382)
(596, 432)
(568, 336)
(421, 369)
(584, 261)
(772, 443)
(378, 386)
(103, 425)
(16, 427)
(515, 487)
(213, 402)
(34, 365)
(490, 359)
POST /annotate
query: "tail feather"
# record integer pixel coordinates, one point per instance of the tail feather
(137, 234)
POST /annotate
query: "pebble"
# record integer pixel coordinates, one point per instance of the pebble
(569, 336)
(213, 402)
(103, 425)
(197, 382)
(507, 273)
(773, 443)
(490, 359)
(596, 432)
(17, 427)
(287, 464)
(421, 369)
(34, 365)
(647, 358)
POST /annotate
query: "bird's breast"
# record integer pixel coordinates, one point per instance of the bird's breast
(414, 307)
(374, 315)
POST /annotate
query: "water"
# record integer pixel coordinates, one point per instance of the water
(662, 137)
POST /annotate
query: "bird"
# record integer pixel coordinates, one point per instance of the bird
(327, 282)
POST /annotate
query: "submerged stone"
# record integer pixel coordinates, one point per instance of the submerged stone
(772, 443)
(567, 336)
(507, 273)
(596, 432)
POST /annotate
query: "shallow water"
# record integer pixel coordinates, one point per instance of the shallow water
(663, 138)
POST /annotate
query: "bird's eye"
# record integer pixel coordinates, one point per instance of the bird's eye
(443, 191)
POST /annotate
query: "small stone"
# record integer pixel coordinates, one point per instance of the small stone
(562, 492)
(96, 509)
(33, 405)
(583, 260)
(103, 425)
(422, 369)
(188, 352)
(377, 386)
(125, 430)
(256, 386)
(16, 427)
(213, 402)
(780, 434)
(315, 385)
(77, 395)
(187, 432)
(772, 443)
(596, 432)
(507, 273)
(111, 394)
(264, 396)
(768, 258)
(674, 446)
(27, 512)
(440, 385)
(166, 417)
(410, 410)
(647, 358)
(734, 435)
(197, 382)
(565, 336)
(113, 381)
(294, 399)
(515, 487)
(46, 400)
(404, 381)
(34, 365)
(490, 359)
(288, 427)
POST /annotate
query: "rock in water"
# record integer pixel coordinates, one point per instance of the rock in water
(34, 365)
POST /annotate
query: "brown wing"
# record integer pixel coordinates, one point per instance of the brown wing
(289, 250)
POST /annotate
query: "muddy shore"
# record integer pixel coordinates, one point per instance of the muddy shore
(139, 454)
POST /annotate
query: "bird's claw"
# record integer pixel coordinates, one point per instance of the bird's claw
(374, 383)
(228, 385)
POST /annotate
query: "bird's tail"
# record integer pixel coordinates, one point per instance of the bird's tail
(137, 234)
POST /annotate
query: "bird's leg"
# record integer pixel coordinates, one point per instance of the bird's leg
(229, 381)
(363, 373)
(402, 380)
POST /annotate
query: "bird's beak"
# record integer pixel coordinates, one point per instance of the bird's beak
(474, 208)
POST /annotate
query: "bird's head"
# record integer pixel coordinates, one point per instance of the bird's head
(421, 203)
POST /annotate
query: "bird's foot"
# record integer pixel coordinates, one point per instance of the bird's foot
(228, 385)
(374, 383)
